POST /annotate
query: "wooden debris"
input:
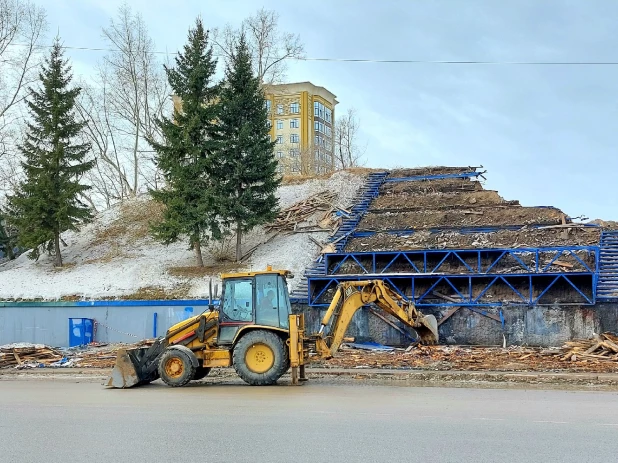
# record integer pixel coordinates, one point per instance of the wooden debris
(18, 356)
(289, 218)
(603, 347)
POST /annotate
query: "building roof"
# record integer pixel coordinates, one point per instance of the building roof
(300, 87)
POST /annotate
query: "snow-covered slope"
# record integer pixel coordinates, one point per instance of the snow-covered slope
(114, 257)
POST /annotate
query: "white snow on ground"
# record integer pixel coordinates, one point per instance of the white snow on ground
(111, 258)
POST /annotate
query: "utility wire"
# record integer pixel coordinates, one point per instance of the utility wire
(377, 61)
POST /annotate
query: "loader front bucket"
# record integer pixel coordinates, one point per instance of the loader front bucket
(135, 367)
(427, 329)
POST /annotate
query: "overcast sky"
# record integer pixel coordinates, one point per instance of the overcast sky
(546, 134)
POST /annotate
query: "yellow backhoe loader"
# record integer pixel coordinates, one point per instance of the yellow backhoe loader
(254, 331)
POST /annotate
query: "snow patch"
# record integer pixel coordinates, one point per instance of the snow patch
(120, 264)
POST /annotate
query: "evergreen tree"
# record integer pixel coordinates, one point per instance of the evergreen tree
(47, 202)
(189, 141)
(246, 167)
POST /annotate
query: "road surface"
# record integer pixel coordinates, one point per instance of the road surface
(65, 421)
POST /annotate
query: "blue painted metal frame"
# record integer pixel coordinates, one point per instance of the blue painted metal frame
(318, 285)
(334, 261)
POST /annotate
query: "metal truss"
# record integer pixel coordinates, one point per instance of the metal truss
(466, 261)
(488, 290)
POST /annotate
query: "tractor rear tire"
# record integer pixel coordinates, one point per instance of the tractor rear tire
(201, 373)
(260, 358)
(176, 367)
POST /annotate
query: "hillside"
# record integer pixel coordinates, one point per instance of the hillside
(114, 257)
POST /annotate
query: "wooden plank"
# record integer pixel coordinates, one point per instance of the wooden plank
(448, 315)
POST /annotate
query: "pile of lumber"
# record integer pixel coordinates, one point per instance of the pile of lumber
(290, 218)
(603, 347)
(19, 355)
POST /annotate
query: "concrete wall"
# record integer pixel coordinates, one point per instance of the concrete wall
(47, 323)
(118, 321)
(523, 325)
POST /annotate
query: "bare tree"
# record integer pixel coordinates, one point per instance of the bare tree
(347, 151)
(269, 46)
(22, 25)
(132, 92)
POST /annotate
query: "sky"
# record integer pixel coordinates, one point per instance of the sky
(546, 134)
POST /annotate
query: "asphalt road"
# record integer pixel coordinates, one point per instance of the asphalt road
(64, 421)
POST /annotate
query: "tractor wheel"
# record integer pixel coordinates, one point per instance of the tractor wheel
(177, 367)
(260, 358)
(201, 373)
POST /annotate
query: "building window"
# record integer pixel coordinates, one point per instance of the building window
(279, 154)
(268, 105)
(269, 124)
(279, 109)
(316, 126)
(327, 115)
(279, 139)
(294, 123)
(279, 125)
(316, 108)
(294, 152)
(294, 138)
(317, 140)
(295, 108)
(328, 131)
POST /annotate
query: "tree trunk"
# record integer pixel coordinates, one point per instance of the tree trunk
(197, 247)
(58, 256)
(9, 252)
(238, 243)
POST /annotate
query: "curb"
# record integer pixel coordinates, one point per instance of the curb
(366, 373)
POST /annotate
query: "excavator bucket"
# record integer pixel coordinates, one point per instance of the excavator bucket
(135, 367)
(427, 329)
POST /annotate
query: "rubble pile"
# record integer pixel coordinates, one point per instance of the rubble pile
(467, 358)
(603, 347)
(23, 354)
(40, 356)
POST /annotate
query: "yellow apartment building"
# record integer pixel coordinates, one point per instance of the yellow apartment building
(302, 122)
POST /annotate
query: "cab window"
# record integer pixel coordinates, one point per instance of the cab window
(238, 300)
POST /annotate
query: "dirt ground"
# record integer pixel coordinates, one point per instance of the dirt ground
(526, 237)
(439, 200)
(460, 218)
(431, 186)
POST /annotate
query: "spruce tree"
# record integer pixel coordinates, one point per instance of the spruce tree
(189, 141)
(47, 202)
(246, 167)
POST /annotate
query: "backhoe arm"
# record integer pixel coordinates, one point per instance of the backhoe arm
(351, 296)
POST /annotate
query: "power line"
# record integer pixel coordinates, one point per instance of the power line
(377, 61)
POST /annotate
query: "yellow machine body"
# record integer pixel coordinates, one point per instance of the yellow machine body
(254, 331)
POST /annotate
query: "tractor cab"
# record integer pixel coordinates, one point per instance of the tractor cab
(253, 299)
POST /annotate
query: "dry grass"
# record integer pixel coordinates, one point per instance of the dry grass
(192, 272)
(115, 251)
(157, 293)
(132, 224)
(65, 266)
